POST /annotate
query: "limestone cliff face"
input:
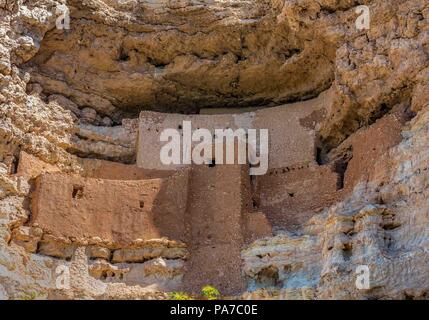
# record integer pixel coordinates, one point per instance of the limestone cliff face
(72, 94)
(382, 225)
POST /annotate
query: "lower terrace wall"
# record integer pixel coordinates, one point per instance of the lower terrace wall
(114, 210)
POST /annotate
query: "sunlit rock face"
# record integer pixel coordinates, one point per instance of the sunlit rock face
(183, 56)
(70, 102)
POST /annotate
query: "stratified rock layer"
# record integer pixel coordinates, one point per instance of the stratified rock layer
(74, 93)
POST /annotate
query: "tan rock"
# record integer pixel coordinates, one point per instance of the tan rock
(89, 115)
(337, 101)
(56, 249)
(143, 254)
(96, 252)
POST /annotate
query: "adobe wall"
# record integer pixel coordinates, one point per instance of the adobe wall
(257, 226)
(153, 123)
(114, 210)
(370, 144)
(291, 131)
(219, 201)
(102, 169)
(290, 196)
(205, 214)
(31, 166)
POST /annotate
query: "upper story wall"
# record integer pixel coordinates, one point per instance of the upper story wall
(291, 128)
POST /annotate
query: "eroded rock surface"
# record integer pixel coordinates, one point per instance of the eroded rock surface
(69, 97)
(382, 225)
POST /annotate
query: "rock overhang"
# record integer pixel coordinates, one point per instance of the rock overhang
(171, 65)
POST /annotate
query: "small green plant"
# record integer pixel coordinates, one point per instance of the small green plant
(210, 292)
(28, 296)
(179, 296)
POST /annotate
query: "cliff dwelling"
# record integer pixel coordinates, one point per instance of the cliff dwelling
(82, 184)
(192, 221)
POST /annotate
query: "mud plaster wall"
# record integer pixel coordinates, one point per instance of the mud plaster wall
(221, 222)
(290, 196)
(291, 128)
(117, 211)
(369, 144)
(103, 169)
